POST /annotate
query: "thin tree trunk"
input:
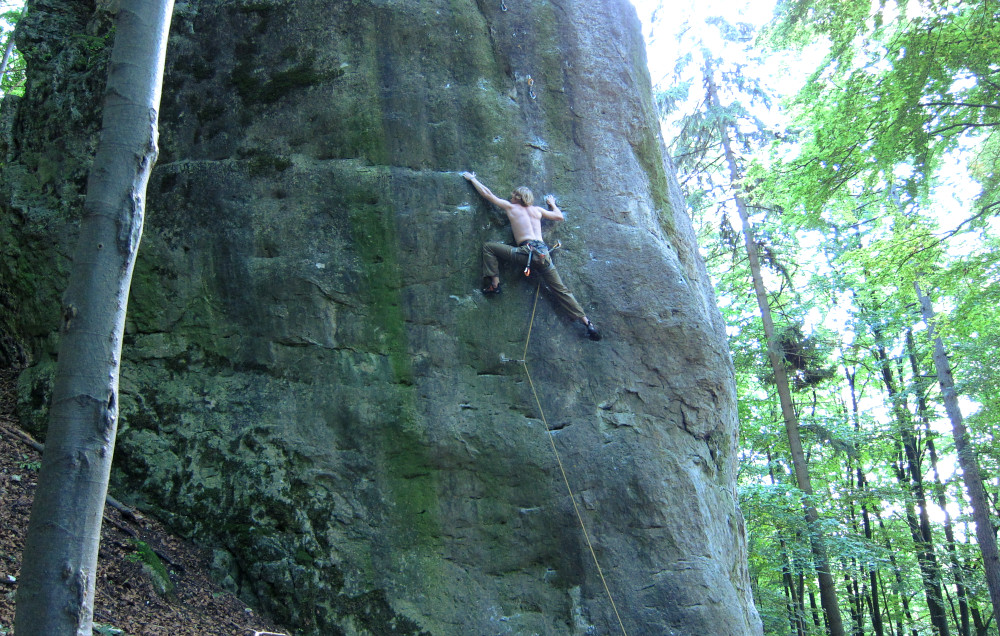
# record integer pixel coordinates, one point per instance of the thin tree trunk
(803, 613)
(855, 592)
(898, 572)
(853, 601)
(827, 587)
(8, 49)
(985, 533)
(862, 485)
(818, 621)
(940, 495)
(795, 607)
(792, 603)
(55, 596)
(982, 627)
(890, 615)
(910, 477)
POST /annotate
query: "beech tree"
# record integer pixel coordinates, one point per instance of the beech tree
(903, 84)
(985, 533)
(10, 60)
(55, 596)
(915, 89)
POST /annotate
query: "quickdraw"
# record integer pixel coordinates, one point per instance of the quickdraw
(531, 91)
(538, 247)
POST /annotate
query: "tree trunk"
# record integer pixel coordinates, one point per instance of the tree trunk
(855, 592)
(817, 621)
(877, 626)
(8, 49)
(55, 596)
(940, 495)
(794, 603)
(854, 600)
(910, 477)
(982, 627)
(900, 584)
(985, 533)
(827, 587)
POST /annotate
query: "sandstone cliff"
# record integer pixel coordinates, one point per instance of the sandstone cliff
(312, 382)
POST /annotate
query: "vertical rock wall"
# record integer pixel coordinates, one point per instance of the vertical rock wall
(312, 383)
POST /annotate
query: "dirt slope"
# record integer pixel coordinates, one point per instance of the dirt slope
(126, 601)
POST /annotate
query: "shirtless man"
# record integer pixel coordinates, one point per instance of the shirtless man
(531, 251)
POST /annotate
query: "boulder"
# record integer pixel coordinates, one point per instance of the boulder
(312, 383)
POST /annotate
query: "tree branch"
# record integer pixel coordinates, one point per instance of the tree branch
(947, 235)
(963, 104)
(963, 126)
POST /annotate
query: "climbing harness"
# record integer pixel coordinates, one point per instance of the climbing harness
(534, 247)
(540, 248)
(569, 489)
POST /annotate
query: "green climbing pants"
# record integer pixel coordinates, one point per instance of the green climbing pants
(541, 264)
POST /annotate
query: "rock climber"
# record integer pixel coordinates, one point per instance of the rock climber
(531, 251)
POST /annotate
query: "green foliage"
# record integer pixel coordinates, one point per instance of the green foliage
(888, 103)
(29, 464)
(799, 22)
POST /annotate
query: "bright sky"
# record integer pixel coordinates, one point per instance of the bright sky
(661, 47)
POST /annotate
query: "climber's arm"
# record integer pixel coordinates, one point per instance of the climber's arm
(485, 192)
(553, 213)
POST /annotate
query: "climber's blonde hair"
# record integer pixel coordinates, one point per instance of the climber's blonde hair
(525, 196)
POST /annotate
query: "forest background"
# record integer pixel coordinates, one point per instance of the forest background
(840, 160)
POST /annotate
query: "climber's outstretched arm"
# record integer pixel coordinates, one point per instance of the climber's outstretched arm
(552, 213)
(485, 192)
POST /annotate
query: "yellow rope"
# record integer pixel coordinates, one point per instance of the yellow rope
(572, 496)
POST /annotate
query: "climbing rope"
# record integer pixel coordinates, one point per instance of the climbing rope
(569, 489)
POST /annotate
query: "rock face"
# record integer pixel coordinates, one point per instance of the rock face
(312, 383)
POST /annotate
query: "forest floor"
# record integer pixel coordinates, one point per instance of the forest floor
(126, 602)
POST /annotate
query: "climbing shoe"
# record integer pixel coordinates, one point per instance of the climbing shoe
(491, 289)
(592, 331)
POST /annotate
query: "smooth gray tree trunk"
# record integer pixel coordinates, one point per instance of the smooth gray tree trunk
(7, 50)
(55, 596)
(971, 475)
